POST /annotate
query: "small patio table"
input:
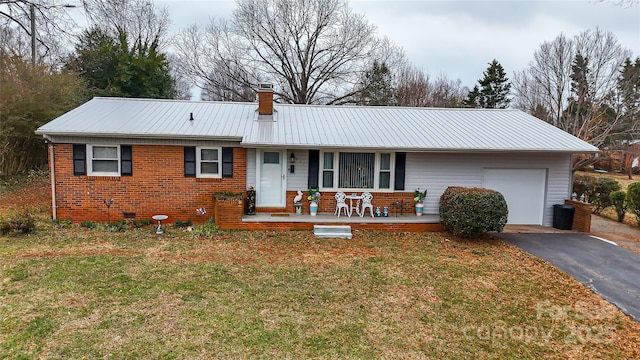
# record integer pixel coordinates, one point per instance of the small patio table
(357, 207)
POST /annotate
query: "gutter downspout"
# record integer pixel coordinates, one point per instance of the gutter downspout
(54, 205)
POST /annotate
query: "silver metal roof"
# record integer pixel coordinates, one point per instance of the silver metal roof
(314, 126)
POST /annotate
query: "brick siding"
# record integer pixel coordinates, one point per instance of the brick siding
(582, 216)
(158, 186)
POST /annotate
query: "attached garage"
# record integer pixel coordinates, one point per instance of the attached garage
(523, 189)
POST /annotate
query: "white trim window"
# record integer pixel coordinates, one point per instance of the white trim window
(356, 170)
(104, 160)
(208, 162)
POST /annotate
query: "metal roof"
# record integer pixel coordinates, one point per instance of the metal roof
(316, 126)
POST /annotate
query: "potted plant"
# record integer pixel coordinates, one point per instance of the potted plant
(314, 200)
(418, 197)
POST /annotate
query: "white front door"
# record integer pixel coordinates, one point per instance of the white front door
(271, 191)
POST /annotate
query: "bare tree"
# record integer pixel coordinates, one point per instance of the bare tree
(415, 88)
(545, 88)
(312, 51)
(46, 21)
(140, 20)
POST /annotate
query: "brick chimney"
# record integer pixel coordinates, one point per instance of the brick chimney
(265, 99)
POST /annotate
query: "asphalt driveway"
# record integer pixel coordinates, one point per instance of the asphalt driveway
(609, 270)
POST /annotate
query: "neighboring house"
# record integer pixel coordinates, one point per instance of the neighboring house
(169, 157)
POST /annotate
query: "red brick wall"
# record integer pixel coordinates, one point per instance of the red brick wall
(158, 186)
(582, 215)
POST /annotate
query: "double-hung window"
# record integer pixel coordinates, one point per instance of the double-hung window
(104, 160)
(208, 162)
(356, 170)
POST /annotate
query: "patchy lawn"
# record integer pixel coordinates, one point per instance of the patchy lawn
(70, 292)
(73, 292)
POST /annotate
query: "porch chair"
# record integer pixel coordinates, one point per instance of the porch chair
(341, 204)
(366, 203)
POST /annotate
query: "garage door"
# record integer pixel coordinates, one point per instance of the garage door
(523, 189)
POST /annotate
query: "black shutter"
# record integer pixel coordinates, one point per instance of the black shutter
(314, 168)
(190, 161)
(126, 160)
(401, 162)
(227, 162)
(79, 159)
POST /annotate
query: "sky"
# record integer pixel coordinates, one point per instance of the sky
(460, 38)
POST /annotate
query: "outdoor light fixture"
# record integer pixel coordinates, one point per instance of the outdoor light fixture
(292, 161)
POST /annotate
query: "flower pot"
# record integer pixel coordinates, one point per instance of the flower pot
(419, 209)
(313, 208)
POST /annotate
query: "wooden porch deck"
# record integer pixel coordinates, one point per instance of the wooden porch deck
(330, 218)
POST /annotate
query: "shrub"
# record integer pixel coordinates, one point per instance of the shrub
(471, 212)
(618, 199)
(600, 197)
(208, 229)
(18, 223)
(142, 222)
(66, 223)
(633, 199)
(88, 224)
(183, 224)
(118, 226)
(583, 186)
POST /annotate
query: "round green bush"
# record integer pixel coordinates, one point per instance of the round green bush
(633, 199)
(600, 198)
(619, 201)
(471, 212)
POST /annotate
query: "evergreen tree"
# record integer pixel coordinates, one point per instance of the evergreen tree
(493, 89)
(376, 87)
(114, 67)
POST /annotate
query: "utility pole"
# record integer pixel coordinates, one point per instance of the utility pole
(32, 11)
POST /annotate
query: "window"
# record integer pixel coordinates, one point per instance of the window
(208, 162)
(104, 160)
(384, 179)
(327, 170)
(356, 170)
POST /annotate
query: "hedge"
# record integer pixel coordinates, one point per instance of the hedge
(471, 212)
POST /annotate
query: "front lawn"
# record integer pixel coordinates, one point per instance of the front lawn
(80, 293)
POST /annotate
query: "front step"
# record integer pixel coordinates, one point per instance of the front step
(332, 231)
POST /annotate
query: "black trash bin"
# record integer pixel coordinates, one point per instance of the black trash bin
(563, 216)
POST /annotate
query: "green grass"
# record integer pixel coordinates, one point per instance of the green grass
(82, 293)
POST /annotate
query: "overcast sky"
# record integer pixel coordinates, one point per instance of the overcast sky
(460, 38)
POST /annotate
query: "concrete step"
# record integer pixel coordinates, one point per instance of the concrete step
(332, 231)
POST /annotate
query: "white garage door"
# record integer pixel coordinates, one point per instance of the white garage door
(523, 189)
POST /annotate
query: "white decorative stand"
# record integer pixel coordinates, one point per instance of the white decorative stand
(159, 218)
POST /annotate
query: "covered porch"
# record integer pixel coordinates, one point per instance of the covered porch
(289, 221)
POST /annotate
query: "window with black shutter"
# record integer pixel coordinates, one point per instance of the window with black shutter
(190, 161)
(79, 159)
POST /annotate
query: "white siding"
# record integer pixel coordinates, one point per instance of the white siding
(298, 181)
(436, 172)
(251, 168)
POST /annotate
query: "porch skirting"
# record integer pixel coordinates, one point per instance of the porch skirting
(287, 221)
